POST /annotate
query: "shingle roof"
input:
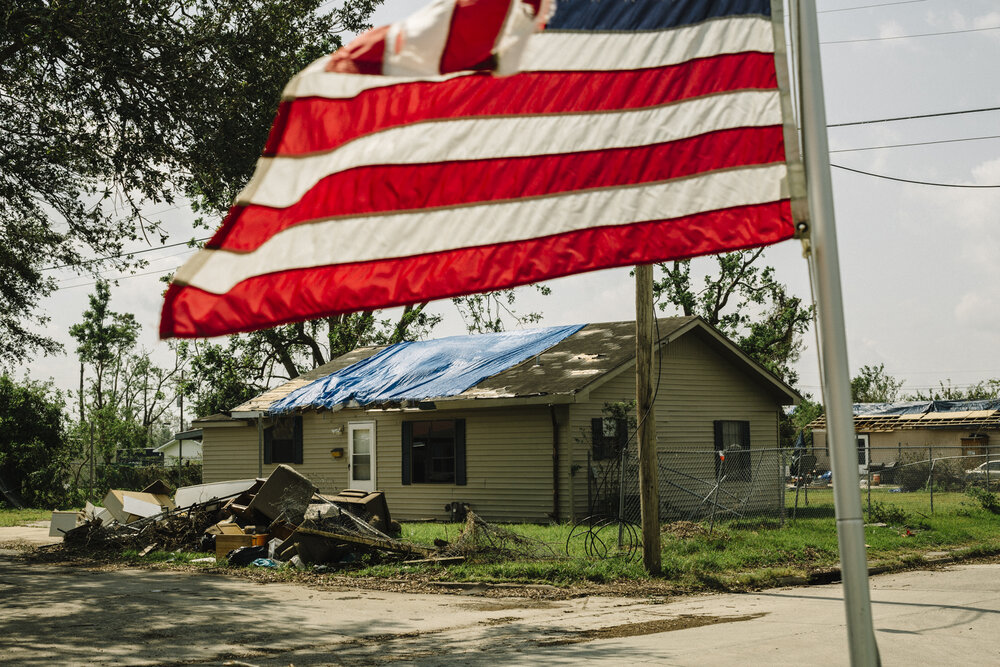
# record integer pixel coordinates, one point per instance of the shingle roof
(909, 415)
(568, 367)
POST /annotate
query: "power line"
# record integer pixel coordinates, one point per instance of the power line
(127, 254)
(906, 180)
(916, 143)
(134, 275)
(926, 34)
(925, 115)
(883, 4)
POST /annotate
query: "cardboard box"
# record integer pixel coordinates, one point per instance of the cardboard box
(63, 522)
(146, 504)
(226, 543)
(224, 529)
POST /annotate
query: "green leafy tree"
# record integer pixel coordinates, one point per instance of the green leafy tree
(873, 385)
(127, 395)
(743, 300)
(495, 311)
(34, 453)
(946, 391)
(108, 106)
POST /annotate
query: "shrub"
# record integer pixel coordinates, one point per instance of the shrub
(986, 499)
(913, 471)
(879, 512)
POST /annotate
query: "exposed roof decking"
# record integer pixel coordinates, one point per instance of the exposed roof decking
(263, 402)
(872, 418)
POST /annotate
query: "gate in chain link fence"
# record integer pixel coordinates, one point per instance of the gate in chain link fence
(745, 487)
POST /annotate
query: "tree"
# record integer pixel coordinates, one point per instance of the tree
(107, 106)
(873, 385)
(744, 301)
(127, 395)
(489, 312)
(34, 455)
(979, 391)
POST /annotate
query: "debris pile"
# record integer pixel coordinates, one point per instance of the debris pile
(264, 522)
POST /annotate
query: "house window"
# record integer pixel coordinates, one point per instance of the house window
(283, 440)
(608, 437)
(434, 452)
(732, 446)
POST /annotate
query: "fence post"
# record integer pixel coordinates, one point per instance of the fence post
(930, 476)
(779, 458)
(987, 465)
(868, 486)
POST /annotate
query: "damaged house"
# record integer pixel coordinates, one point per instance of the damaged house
(510, 424)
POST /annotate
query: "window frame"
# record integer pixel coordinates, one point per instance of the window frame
(459, 449)
(294, 454)
(603, 446)
(737, 463)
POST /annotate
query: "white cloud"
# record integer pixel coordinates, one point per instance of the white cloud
(991, 20)
(888, 29)
(979, 310)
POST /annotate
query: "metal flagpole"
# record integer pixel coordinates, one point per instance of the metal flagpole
(833, 347)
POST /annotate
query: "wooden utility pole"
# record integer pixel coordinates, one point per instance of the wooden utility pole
(649, 488)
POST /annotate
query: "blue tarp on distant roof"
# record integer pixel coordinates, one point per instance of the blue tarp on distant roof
(922, 407)
(423, 369)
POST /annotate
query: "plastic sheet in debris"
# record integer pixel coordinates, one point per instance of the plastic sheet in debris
(424, 369)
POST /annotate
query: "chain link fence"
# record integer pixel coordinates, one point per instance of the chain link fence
(746, 487)
(767, 487)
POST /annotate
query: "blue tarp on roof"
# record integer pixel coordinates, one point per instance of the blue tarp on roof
(922, 407)
(423, 369)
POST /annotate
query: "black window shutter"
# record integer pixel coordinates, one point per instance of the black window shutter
(460, 452)
(597, 438)
(719, 445)
(267, 444)
(407, 450)
(621, 433)
(297, 440)
(745, 434)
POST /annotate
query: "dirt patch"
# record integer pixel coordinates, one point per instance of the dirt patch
(504, 606)
(683, 622)
(503, 620)
(684, 529)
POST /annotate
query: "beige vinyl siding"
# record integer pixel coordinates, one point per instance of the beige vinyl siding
(508, 460)
(697, 386)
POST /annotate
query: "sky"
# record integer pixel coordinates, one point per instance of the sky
(920, 265)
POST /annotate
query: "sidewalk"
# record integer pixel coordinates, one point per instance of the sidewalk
(74, 616)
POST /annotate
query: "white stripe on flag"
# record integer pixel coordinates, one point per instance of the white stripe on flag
(360, 239)
(573, 51)
(281, 181)
(421, 38)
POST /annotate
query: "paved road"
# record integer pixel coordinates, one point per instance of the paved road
(70, 616)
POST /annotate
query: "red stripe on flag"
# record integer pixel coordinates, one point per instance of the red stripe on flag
(475, 25)
(312, 124)
(387, 188)
(278, 298)
(363, 55)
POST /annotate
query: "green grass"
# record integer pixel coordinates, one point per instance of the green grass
(736, 556)
(732, 557)
(22, 517)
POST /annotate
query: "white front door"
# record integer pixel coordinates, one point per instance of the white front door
(361, 455)
(864, 454)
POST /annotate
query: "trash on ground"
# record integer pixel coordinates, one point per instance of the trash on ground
(281, 519)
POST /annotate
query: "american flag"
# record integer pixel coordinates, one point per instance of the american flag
(404, 168)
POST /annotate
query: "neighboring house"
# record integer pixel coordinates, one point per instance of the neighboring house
(516, 444)
(887, 432)
(185, 446)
